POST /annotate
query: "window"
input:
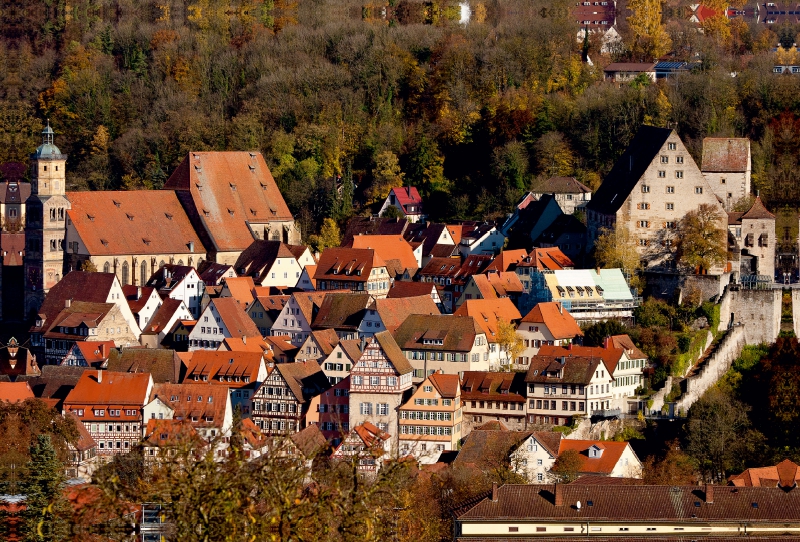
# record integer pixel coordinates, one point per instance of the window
(383, 409)
(644, 223)
(698, 189)
(642, 242)
(670, 190)
(392, 381)
(645, 189)
(671, 146)
(643, 206)
(539, 477)
(665, 159)
(366, 409)
(374, 381)
(722, 181)
(670, 206)
(679, 174)
(662, 174)
(679, 159)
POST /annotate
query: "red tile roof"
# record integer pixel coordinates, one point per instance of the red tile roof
(304, 378)
(448, 386)
(725, 154)
(407, 195)
(624, 342)
(14, 392)
(610, 356)
(95, 352)
(226, 191)
(204, 402)
(13, 247)
(137, 296)
(757, 211)
(612, 452)
(261, 255)
(158, 323)
(241, 289)
(109, 388)
(348, 264)
(505, 283)
(389, 247)
(394, 311)
(559, 321)
(785, 474)
(124, 222)
(235, 319)
(162, 364)
(172, 432)
(403, 288)
(507, 260)
(493, 386)
(488, 312)
(219, 366)
(457, 332)
(370, 435)
(75, 286)
(547, 259)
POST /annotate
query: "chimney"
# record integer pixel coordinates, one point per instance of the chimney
(67, 303)
(558, 492)
(494, 492)
(102, 349)
(138, 293)
(99, 376)
(191, 246)
(709, 494)
(561, 308)
(244, 339)
(607, 342)
(363, 343)
(165, 272)
(597, 269)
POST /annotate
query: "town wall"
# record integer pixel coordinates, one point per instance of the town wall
(758, 311)
(666, 285)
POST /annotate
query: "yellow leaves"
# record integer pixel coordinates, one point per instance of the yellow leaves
(650, 36)
(662, 112)
(718, 27)
(569, 77)
(100, 141)
(786, 57)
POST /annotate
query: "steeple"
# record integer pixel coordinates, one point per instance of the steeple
(47, 150)
(47, 134)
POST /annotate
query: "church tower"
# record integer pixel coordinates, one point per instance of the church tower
(45, 225)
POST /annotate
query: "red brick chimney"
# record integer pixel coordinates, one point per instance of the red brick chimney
(558, 491)
(494, 492)
(709, 494)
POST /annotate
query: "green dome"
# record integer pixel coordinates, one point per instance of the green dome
(47, 150)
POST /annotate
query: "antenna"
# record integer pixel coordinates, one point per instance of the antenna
(578, 505)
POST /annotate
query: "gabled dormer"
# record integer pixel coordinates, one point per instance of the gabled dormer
(595, 451)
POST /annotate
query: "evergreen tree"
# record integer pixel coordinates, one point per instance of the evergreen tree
(46, 507)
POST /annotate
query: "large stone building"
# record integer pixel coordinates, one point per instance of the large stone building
(754, 239)
(648, 191)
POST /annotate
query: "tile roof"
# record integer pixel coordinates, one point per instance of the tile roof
(612, 452)
(350, 264)
(573, 370)
(559, 322)
(174, 432)
(448, 386)
(735, 217)
(351, 348)
(137, 296)
(407, 195)
(404, 288)
(626, 343)
(14, 392)
(168, 276)
(79, 313)
(341, 311)
(494, 385)
(628, 169)
(163, 365)
(561, 185)
(785, 474)
(389, 247)
(507, 260)
(610, 355)
(489, 450)
(393, 311)
(55, 381)
(96, 352)
(630, 66)
(326, 339)
(370, 435)
(228, 192)
(505, 283)
(393, 353)
(258, 258)
(272, 304)
(726, 154)
(374, 226)
(235, 319)
(125, 222)
(75, 286)
(757, 211)
(550, 440)
(310, 441)
(305, 378)
(13, 247)
(216, 365)
(201, 401)
(110, 388)
(85, 440)
(488, 312)
(241, 289)
(457, 332)
(427, 233)
(158, 323)
(547, 259)
(213, 273)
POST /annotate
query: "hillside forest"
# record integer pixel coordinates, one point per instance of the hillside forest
(365, 96)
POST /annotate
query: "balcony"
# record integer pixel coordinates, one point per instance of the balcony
(607, 413)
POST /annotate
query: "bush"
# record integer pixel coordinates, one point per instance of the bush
(659, 378)
(654, 313)
(684, 342)
(596, 334)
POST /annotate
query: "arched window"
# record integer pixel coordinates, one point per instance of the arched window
(61, 213)
(276, 235)
(144, 276)
(52, 214)
(180, 262)
(190, 261)
(161, 264)
(125, 274)
(106, 267)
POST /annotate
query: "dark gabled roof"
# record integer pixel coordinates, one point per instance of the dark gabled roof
(158, 323)
(311, 442)
(393, 353)
(259, 257)
(495, 386)
(573, 370)
(640, 503)
(341, 311)
(373, 226)
(561, 225)
(628, 169)
(457, 332)
(489, 450)
(304, 378)
(402, 288)
(162, 364)
(347, 264)
(561, 185)
(212, 273)
(75, 286)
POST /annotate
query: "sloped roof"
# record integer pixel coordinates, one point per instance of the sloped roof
(85, 440)
(109, 388)
(394, 311)
(241, 289)
(124, 222)
(370, 435)
(162, 364)
(77, 314)
(612, 452)
(389, 247)
(628, 169)
(341, 311)
(201, 400)
(547, 259)
(561, 185)
(403, 288)
(393, 353)
(489, 450)
(785, 474)
(168, 276)
(493, 385)
(725, 154)
(351, 348)
(75, 286)
(483, 285)
(630, 66)
(448, 385)
(235, 319)
(457, 332)
(55, 381)
(407, 195)
(757, 211)
(214, 364)
(573, 370)
(427, 233)
(348, 264)
(326, 339)
(258, 258)
(559, 321)
(132, 292)
(507, 260)
(564, 224)
(95, 352)
(158, 323)
(273, 304)
(13, 247)
(309, 303)
(213, 273)
(625, 343)
(304, 378)
(172, 432)
(488, 312)
(374, 226)
(310, 441)
(610, 355)
(14, 392)
(505, 283)
(550, 440)
(224, 191)
(17, 361)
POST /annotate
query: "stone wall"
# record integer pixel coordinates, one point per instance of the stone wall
(714, 367)
(669, 285)
(658, 397)
(758, 311)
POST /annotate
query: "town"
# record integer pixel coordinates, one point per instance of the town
(188, 313)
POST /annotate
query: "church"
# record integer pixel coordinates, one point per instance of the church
(213, 206)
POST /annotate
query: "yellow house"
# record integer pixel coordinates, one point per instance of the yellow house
(430, 422)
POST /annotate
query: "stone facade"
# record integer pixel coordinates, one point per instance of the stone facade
(759, 311)
(726, 166)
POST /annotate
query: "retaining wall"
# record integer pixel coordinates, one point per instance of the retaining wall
(758, 311)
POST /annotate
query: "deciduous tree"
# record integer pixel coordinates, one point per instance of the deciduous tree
(702, 239)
